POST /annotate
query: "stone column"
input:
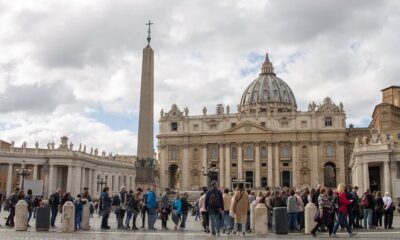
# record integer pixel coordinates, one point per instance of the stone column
(227, 165)
(204, 166)
(240, 162)
(258, 166)
(51, 179)
(261, 219)
(23, 165)
(77, 183)
(85, 221)
(341, 159)
(269, 165)
(21, 213)
(9, 179)
(35, 172)
(314, 164)
(309, 212)
(68, 217)
(295, 165)
(221, 166)
(366, 176)
(387, 177)
(185, 168)
(90, 179)
(163, 168)
(69, 179)
(359, 177)
(277, 161)
(83, 178)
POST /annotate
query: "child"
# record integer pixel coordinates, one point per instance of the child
(78, 211)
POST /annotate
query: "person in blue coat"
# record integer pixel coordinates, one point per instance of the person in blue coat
(176, 210)
(105, 207)
(151, 204)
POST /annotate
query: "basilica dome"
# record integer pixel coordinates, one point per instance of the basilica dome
(267, 93)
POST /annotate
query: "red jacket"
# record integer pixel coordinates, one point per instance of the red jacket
(343, 202)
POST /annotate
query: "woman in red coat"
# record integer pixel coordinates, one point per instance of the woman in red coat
(342, 211)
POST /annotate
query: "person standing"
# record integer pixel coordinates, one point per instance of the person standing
(165, 209)
(144, 207)
(239, 207)
(252, 197)
(389, 208)
(356, 208)
(123, 196)
(151, 204)
(54, 202)
(129, 208)
(342, 211)
(292, 209)
(379, 209)
(227, 227)
(176, 210)
(203, 211)
(367, 201)
(300, 214)
(185, 210)
(214, 205)
(136, 207)
(325, 209)
(105, 207)
(29, 200)
(78, 211)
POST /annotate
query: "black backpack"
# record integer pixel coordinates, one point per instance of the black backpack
(213, 202)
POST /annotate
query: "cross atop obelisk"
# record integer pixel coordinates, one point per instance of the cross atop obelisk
(148, 32)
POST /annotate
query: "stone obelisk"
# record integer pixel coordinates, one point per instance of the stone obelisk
(146, 112)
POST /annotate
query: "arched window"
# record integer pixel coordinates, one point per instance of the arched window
(249, 152)
(234, 153)
(263, 153)
(329, 150)
(195, 154)
(214, 153)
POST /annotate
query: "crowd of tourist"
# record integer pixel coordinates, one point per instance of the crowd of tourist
(220, 211)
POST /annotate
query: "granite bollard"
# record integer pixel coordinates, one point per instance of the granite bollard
(68, 217)
(252, 208)
(21, 216)
(261, 219)
(85, 222)
(309, 212)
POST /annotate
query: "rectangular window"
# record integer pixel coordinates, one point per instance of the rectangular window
(233, 125)
(213, 126)
(195, 127)
(328, 122)
(286, 164)
(263, 164)
(234, 165)
(174, 126)
(263, 124)
(284, 124)
(303, 124)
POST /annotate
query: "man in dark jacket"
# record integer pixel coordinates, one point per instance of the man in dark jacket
(185, 210)
(123, 196)
(13, 200)
(367, 201)
(54, 202)
(356, 208)
(105, 207)
(214, 204)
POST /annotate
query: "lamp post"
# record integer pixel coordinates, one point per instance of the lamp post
(209, 171)
(23, 172)
(101, 182)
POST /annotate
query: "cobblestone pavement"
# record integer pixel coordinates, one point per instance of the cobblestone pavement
(193, 232)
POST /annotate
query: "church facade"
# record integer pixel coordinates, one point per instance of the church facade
(266, 141)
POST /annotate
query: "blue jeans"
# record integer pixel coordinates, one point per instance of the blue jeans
(152, 217)
(215, 223)
(368, 217)
(78, 217)
(227, 222)
(54, 212)
(29, 215)
(183, 221)
(292, 220)
(342, 220)
(300, 219)
(128, 217)
(240, 227)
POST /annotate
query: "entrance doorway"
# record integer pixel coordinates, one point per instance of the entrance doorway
(249, 178)
(213, 176)
(286, 179)
(330, 174)
(374, 178)
(264, 182)
(172, 176)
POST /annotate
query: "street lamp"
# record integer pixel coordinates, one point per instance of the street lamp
(101, 182)
(209, 171)
(23, 172)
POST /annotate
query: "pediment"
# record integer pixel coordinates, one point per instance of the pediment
(247, 128)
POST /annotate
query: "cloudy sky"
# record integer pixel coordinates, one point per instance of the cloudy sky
(73, 67)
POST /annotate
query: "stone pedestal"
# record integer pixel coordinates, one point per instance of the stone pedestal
(21, 216)
(261, 219)
(68, 217)
(85, 222)
(252, 208)
(309, 213)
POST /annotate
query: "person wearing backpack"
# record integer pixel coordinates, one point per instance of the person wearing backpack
(176, 210)
(239, 207)
(152, 205)
(29, 200)
(214, 205)
(122, 207)
(356, 208)
(292, 210)
(367, 201)
(105, 208)
(129, 208)
(342, 211)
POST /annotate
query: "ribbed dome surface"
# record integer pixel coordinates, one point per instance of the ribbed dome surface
(268, 92)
